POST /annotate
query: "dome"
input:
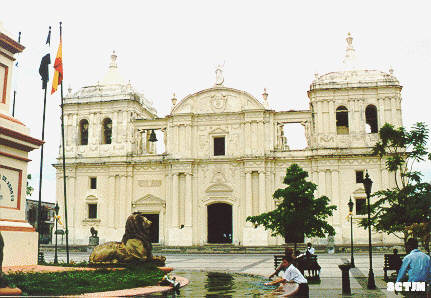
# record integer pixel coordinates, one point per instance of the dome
(112, 87)
(350, 76)
(354, 78)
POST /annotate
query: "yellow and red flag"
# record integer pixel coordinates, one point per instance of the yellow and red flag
(58, 66)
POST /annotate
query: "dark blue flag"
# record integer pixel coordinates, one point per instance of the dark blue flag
(45, 62)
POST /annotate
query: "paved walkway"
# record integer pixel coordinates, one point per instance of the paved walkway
(263, 265)
(330, 285)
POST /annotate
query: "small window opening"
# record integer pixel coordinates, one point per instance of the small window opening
(361, 206)
(92, 210)
(371, 118)
(93, 183)
(83, 131)
(107, 131)
(359, 176)
(219, 146)
(342, 118)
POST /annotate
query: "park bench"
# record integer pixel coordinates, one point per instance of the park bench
(392, 262)
(302, 263)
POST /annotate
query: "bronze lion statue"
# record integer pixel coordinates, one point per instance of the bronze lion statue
(134, 247)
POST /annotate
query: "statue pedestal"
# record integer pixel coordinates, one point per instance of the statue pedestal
(93, 240)
(19, 235)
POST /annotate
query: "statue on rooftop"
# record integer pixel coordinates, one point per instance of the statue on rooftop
(219, 75)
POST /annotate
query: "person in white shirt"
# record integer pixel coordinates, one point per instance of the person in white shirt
(310, 249)
(291, 274)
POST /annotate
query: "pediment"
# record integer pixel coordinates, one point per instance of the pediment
(218, 131)
(219, 188)
(91, 198)
(149, 199)
(359, 191)
(218, 99)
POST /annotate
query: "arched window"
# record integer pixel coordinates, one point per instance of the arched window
(371, 118)
(107, 131)
(83, 132)
(342, 118)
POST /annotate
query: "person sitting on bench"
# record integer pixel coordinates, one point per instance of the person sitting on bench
(310, 249)
(291, 274)
(289, 252)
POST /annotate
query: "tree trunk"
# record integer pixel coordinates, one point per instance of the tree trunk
(406, 235)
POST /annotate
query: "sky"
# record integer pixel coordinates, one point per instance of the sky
(175, 46)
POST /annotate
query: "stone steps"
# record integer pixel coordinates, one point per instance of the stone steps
(233, 249)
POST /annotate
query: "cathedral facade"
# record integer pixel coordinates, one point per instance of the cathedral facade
(225, 154)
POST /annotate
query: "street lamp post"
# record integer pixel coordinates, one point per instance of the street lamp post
(352, 261)
(56, 209)
(367, 186)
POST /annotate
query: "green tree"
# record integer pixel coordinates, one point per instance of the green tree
(409, 202)
(298, 213)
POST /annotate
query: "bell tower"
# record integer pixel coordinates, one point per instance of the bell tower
(99, 117)
(349, 106)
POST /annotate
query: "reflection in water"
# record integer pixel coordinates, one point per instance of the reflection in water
(221, 284)
(218, 282)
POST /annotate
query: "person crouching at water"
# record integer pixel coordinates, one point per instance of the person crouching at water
(291, 274)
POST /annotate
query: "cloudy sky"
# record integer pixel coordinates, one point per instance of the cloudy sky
(174, 46)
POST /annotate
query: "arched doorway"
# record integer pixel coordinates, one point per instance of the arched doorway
(219, 223)
(154, 229)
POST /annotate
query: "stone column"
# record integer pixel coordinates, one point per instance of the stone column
(381, 112)
(273, 186)
(319, 117)
(394, 111)
(168, 196)
(247, 138)
(261, 148)
(262, 199)
(332, 125)
(91, 130)
(336, 198)
(175, 204)
(73, 203)
(248, 197)
(115, 125)
(188, 201)
(189, 140)
(129, 195)
(117, 201)
(316, 177)
(143, 136)
(322, 183)
(110, 200)
(177, 138)
(123, 200)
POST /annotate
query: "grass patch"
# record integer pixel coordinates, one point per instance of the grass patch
(79, 282)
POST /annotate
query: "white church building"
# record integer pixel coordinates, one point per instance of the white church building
(225, 153)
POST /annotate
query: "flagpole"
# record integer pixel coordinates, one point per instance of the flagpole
(39, 208)
(14, 91)
(64, 166)
(40, 176)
